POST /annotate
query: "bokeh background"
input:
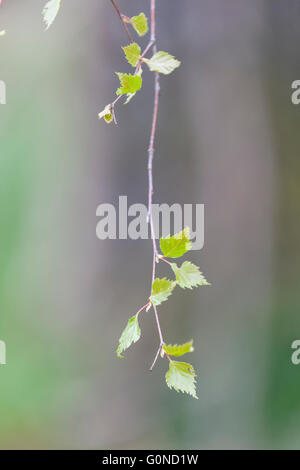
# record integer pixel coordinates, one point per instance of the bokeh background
(229, 138)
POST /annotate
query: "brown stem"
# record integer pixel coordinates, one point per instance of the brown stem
(121, 18)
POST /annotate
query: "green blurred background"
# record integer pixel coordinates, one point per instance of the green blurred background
(229, 138)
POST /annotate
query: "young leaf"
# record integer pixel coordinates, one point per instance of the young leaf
(162, 62)
(179, 350)
(131, 334)
(176, 246)
(181, 377)
(188, 275)
(129, 83)
(106, 114)
(140, 24)
(131, 95)
(132, 53)
(161, 290)
(50, 11)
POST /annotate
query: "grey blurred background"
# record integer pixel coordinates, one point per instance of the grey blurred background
(228, 137)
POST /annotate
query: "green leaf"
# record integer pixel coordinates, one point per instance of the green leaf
(131, 334)
(188, 275)
(106, 114)
(50, 11)
(179, 350)
(161, 290)
(162, 62)
(132, 53)
(129, 83)
(131, 95)
(140, 24)
(176, 246)
(181, 377)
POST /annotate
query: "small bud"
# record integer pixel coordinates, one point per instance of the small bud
(106, 114)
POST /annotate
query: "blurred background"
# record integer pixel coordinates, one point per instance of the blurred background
(229, 138)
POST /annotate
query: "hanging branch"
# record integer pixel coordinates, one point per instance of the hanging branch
(180, 375)
(150, 175)
(122, 18)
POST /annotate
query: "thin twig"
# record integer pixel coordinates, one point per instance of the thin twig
(121, 18)
(151, 155)
(153, 20)
(142, 308)
(150, 173)
(149, 45)
(113, 108)
(156, 356)
(147, 48)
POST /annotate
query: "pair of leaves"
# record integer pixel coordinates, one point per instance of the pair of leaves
(187, 276)
(181, 377)
(50, 12)
(161, 62)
